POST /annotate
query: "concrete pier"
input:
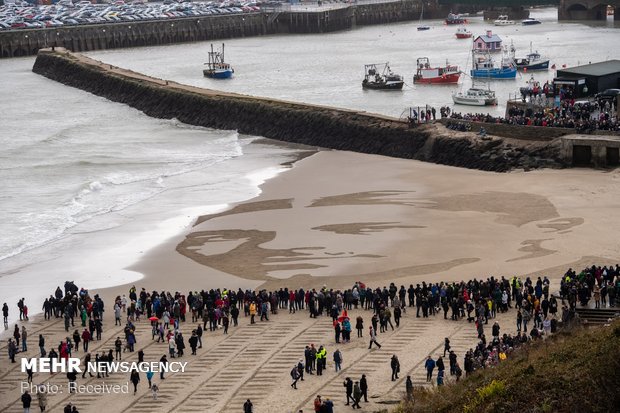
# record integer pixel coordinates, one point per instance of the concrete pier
(307, 124)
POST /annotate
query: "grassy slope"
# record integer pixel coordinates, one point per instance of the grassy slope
(576, 371)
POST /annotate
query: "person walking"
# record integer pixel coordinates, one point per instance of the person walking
(149, 377)
(359, 325)
(5, 315)
(135, 379)
(87, 359)
(429, 365)
(154, 391)
(395, 364)
(348, 385)
(364, 388)
(118, 345)
(26, 401)
(164, 362)
(42, 398)
(42, 345)
(338, 360)
(86, 337)
(446, 346)
(409, 388)
(24, 337)
(248, 406)
(294, 376)
(373, 338)
(357, 396)
(193, 342)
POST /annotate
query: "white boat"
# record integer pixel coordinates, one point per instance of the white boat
(503, 21)
(475, 97)
(422, 27)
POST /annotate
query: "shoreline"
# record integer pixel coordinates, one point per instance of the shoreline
(109, 257)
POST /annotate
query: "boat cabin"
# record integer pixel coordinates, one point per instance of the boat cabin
(488, 42)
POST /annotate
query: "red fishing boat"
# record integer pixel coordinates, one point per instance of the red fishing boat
(427, 74)
(463, 33)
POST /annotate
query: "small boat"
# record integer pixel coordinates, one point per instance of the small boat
(463, 33)
(381, 80)
(530, 22)
(475, 97)
(455, 19)
(421, 26)
(532, 61)
(216, 67)
(503, 21)
(427, 74)
(485, 68)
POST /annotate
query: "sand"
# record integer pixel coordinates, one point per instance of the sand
(332, 219)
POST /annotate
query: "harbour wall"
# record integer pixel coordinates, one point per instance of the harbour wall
(15, 43)
(313, 125)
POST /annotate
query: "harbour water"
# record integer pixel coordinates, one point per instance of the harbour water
(89, 185)
(328, 69)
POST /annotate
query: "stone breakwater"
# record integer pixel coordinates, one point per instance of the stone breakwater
(311, 125)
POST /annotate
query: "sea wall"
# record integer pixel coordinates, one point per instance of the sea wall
(15, 43)
(313, 125)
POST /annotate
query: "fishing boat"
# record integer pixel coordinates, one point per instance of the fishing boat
(531, 61)
(427, 74)
(484, 67)
(455, 19)
(463, 33)
(381, 80)
(475, 97)
(530, 22)
(422, 27)
(217, 68)
(503, 21)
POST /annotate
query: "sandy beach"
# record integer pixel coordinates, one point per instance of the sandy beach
(332, 219)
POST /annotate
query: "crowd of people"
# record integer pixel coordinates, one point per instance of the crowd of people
(474, 301)
(584, 117)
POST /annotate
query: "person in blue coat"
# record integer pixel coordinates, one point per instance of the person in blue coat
(430, 366)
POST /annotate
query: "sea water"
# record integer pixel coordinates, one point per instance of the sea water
(89, 185)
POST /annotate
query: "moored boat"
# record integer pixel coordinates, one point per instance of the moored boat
(485, 68)
(425, 73)
(422, 27)
(381, 80)
(530, 22)
(475, 97)
(531, 61)
(455, 19)
(463, 33)
(503, 21)
(217, 68)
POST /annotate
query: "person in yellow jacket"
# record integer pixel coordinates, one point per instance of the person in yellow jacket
(252, 312)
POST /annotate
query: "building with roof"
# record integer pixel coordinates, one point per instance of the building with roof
(488, 42)
(590, 79)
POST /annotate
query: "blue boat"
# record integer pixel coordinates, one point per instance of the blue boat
(216, 67)
(485, 68)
